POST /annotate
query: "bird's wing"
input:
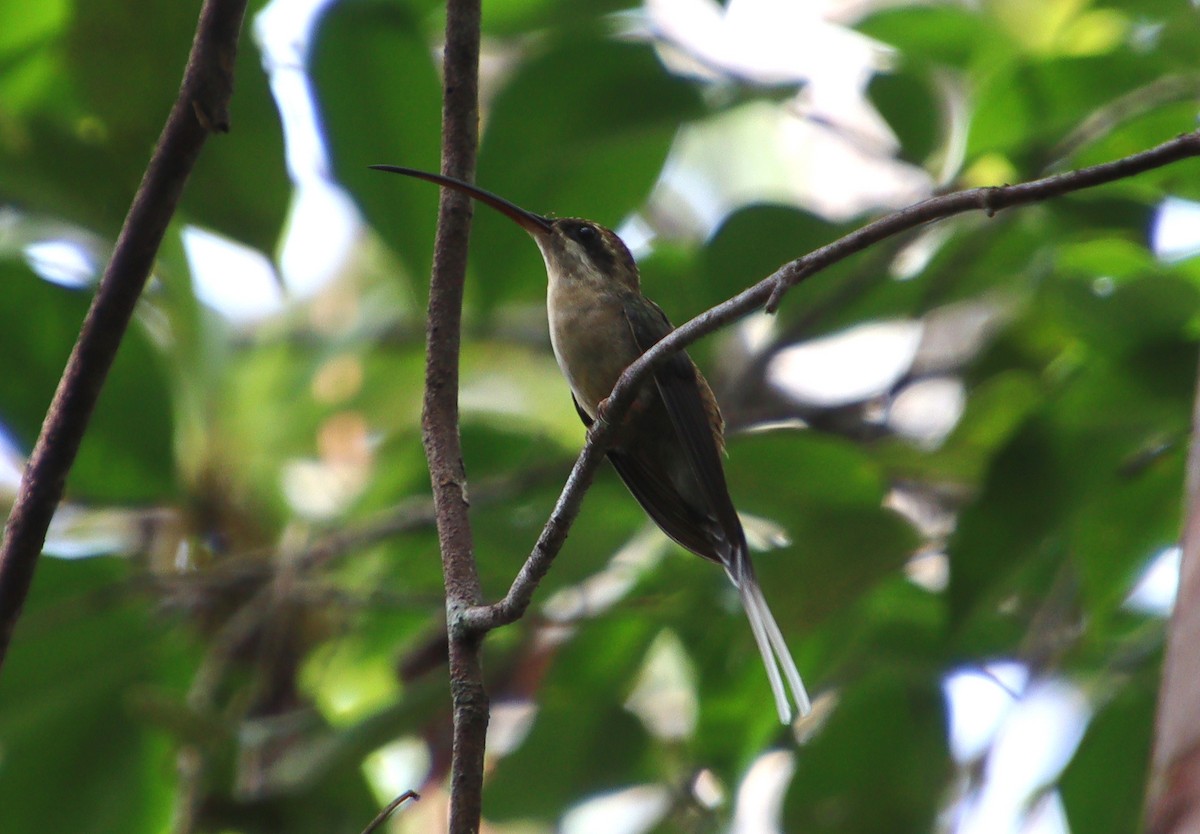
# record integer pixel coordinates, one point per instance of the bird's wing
(692, 409)
(708, 519)
(659, 498)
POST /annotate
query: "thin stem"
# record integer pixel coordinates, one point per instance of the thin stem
(443, 450)
(201, 107)
(384, 815)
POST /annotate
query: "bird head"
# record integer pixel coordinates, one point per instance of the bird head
(576, 251)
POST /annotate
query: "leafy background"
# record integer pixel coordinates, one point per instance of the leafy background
(253, 643)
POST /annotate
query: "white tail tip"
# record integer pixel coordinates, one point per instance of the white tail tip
(775, 655)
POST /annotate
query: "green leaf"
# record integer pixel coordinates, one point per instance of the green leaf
(87, 123)
(939, 35)
(1138, 313)
(1016, 519)
(750, 245)
(582, 741)
(995, 409)
(908, 103)
(899, 727)
(65, 708)
(579, 108)
(1100, 797)
(377, 92)
(1140, 132)
(519, 17)
(240, 185)
(127, 453)
(827, 494)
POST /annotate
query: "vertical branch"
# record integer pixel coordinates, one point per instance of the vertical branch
(1173, 800)
(439, 421)
(201, 107)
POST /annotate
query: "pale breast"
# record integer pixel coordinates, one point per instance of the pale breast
(592, 343)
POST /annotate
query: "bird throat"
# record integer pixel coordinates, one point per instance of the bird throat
(591, 339)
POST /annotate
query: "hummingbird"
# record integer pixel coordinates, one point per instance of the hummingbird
(668, 448)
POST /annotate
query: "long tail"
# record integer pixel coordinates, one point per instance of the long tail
(775, 655)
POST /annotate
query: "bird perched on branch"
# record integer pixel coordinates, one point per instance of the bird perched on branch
(668, 447)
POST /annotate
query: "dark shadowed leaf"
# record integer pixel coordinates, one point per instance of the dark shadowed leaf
(88, 761)
(898, 726)
(1102, 787)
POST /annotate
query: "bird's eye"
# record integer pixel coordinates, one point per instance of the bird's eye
(592, 239)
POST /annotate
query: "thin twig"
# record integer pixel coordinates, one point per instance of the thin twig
(383, 815)
(767, 294)
(202, 107)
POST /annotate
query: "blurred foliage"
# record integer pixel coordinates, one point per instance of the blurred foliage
(254, 645)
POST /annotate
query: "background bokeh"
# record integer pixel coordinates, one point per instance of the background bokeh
(961, 451)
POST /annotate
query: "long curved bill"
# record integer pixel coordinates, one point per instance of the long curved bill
(533, 223)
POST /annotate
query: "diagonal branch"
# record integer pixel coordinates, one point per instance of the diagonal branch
(766, 294)
(202, 107)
